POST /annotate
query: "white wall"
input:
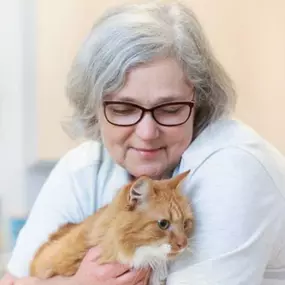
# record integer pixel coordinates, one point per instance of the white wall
(11, 92)
(18, 183)
(12, 178)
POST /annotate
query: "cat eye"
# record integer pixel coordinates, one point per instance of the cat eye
(163, 224)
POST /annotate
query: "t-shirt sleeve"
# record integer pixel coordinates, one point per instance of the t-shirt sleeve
(237, 210)
(56, 204)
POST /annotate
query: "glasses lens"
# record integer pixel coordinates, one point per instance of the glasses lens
(122, 113)
(172, 114)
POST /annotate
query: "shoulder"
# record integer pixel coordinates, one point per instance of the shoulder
(86, 154)
(74, 176)
(231, 163)
(228, 144)
(80, 158)
(233, 172)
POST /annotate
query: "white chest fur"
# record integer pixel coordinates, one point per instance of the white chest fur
(154, 256)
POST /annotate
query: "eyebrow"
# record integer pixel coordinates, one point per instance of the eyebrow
(161, 100)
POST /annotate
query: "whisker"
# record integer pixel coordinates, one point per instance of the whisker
(189, 249)
(151, 263)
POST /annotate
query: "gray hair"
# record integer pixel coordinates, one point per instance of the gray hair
(134, 34)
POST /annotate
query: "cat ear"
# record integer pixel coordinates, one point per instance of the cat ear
(176, 181)
(139, 191)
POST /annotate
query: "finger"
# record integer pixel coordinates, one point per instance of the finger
(127, 278)
(147, 278)
(132, 277)
(138, 276)
(22, 281)
(120, 269)
(93, 254)
(112, 270)
(140, 283)
(142, 274)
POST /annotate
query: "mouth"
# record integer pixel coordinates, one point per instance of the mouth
(148, 152)
(147, 149)
(174, 254)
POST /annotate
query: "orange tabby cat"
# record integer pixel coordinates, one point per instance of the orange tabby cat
(147, 223)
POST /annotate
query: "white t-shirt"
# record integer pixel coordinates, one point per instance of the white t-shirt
(237, 189)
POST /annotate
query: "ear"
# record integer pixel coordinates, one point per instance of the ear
(139, 191)
(176, 181)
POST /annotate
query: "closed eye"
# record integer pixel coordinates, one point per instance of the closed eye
(171, 109)
(128, 111)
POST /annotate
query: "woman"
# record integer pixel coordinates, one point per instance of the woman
(151, 98)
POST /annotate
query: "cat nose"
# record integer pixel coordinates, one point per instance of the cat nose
(181, 242)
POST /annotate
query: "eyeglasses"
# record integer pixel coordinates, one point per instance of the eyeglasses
(128, 114)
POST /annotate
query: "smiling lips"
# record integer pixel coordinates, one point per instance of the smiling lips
(148, 153)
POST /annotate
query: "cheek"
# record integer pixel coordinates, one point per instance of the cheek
(183, 132)
(114, 137)
(151, 234)
(179, 138)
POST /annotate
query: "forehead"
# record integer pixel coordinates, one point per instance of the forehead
(157, 82)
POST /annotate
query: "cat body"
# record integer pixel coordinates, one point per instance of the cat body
(147, 224)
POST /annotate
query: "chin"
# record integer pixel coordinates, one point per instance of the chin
(153, 171)
(172, 255)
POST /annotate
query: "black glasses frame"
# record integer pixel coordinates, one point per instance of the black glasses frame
(150, 110)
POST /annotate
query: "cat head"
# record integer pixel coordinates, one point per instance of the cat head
(154, 216)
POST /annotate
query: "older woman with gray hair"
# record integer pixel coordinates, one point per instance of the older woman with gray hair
(150, 97)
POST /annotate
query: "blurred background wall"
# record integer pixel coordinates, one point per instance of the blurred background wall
(40, 38)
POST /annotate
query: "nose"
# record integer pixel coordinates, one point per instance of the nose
(181, 242)
(147, 128)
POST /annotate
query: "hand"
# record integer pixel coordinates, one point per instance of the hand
(91, 273)
(26, 281)
(8, 279)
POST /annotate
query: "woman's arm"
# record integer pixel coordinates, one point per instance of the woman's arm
(238, 213)
(57, 203)
(89, 273)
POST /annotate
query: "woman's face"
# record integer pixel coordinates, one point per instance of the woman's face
(148, 148)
